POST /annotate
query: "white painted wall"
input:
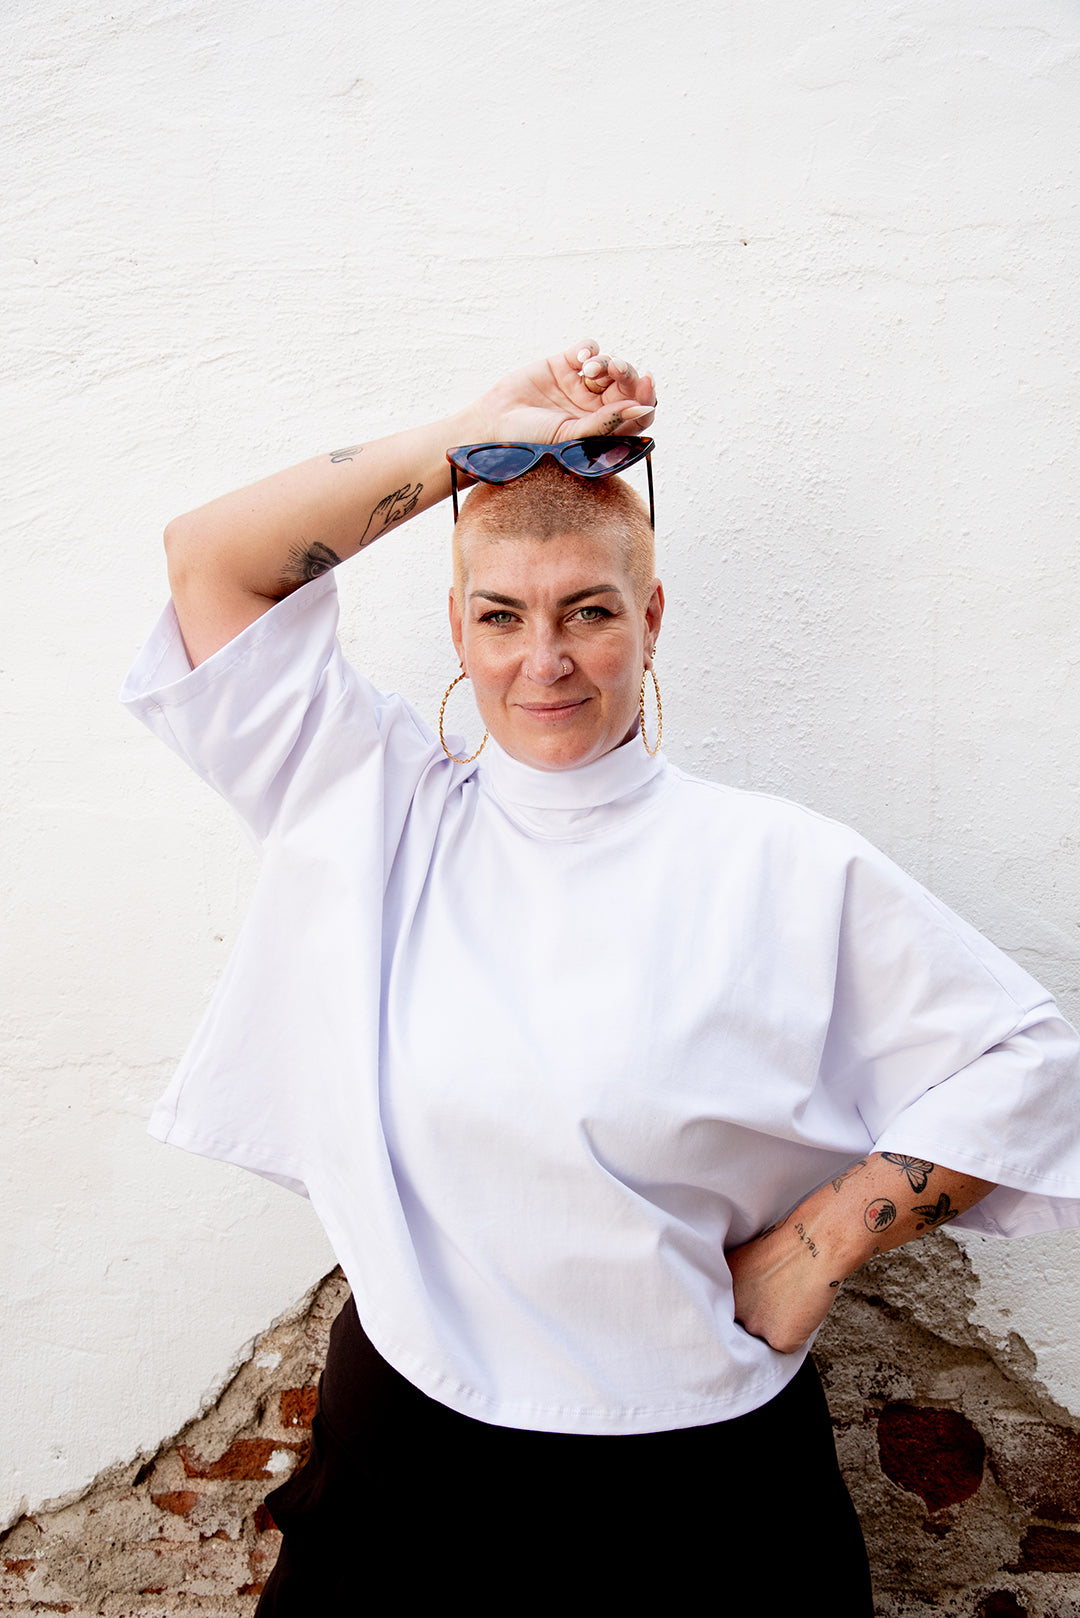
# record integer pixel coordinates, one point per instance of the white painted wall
(239, 231)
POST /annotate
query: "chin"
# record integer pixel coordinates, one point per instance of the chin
(556, 753)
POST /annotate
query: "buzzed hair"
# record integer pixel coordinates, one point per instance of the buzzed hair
(548, 502)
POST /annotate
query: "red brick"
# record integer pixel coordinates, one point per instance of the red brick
(937, 1454)
(178, 1501)
(264, 1523)
(19, 1565)
(1000, 1604)
(1048, 1550)
(244, 1461)
(298, 1406)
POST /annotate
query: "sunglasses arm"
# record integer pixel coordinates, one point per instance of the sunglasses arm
(453, 488)
(652, 503)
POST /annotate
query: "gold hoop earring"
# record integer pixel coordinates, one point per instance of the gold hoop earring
(442, 738)
(652, 751)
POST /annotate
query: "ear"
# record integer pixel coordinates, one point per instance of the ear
(456, 627)
(654, 613)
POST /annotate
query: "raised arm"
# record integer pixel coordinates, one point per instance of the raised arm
(229, 561)
(786, 1279)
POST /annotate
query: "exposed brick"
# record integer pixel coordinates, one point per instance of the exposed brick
(937, 1454)
(264, 1523)
(19, 1565)
(178, 1501)
(1048, 1550)
(243, 1461)
(298, 1406)
(1038, 1465)
(264, 1554)
(1000, 1604)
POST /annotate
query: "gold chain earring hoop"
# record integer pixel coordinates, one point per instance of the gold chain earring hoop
(652, 751)
(480, 749)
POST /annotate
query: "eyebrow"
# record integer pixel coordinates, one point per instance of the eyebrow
(564, 601)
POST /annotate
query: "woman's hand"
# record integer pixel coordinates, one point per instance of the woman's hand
(581, 393)
(232, 559)
(785, 1280)
(781, 1294)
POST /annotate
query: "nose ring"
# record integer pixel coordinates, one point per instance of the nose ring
(565, 667)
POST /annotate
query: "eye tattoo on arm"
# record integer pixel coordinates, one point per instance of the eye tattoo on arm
(347, 454)
(392, 508)
(917, 1169)
(307, 562)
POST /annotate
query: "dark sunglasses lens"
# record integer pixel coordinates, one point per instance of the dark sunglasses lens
(500, 461)
(595, 458)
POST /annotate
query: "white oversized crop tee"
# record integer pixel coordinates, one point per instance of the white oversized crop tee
(540, 1045)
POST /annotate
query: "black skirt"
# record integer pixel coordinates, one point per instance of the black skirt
(403, 1496)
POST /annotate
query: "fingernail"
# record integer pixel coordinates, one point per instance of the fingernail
(593, 368)
(583, 354)
(635, 412)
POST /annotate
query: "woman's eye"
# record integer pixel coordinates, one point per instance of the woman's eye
(592, 615)
(497, 618)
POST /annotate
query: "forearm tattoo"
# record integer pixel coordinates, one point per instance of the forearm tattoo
(879, 1214)
(936, 1213)
(392, 508)
(838, 1183)
(917, 1169)
(348, 454)
(307, 562)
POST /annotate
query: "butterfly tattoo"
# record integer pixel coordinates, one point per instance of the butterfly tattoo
(939, 1212)
(917, 1169)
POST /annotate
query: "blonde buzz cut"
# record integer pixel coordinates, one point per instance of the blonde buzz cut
(547, 503)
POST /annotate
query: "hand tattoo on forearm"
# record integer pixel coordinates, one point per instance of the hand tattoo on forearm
(392, 508)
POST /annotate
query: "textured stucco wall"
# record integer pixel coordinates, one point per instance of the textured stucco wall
(234, 234)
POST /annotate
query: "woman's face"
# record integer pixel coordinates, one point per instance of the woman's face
(555, 641)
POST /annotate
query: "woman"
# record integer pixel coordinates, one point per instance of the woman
(543, 1032)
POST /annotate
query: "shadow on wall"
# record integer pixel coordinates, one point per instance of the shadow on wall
(965, 1474)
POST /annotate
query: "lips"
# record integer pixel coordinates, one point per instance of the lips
(550, 712)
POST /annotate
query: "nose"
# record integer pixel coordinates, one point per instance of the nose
(545, 663)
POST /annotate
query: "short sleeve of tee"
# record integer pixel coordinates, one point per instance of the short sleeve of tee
(277, 714)
(949, 1050)
(341, 784)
